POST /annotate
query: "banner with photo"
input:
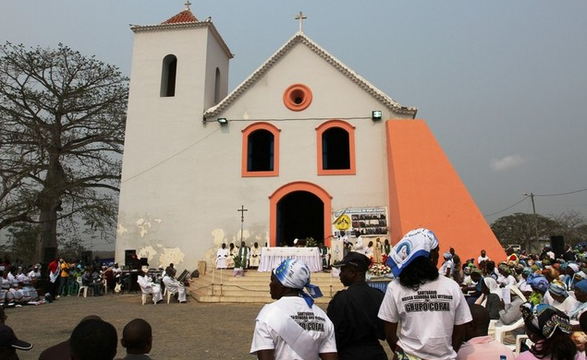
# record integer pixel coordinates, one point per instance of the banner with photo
(360, 221)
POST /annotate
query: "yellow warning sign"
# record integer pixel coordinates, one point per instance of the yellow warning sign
(343, 222)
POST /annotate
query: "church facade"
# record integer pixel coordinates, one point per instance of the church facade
(303, 148)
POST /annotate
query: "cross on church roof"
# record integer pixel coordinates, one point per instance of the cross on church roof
(187, 5)
(301, 18)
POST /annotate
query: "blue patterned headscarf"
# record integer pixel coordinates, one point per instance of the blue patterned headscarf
(543, 320)
(558, 288)
(539, 282)
(295, 274)
(415, 243)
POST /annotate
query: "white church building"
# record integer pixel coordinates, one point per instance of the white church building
(303, 140)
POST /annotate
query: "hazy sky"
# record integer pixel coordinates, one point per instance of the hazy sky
(502, 84)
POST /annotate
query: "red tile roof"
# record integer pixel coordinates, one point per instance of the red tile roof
(183, 17)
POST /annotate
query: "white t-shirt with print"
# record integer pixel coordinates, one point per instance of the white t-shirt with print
(427, 316)
(314, 320)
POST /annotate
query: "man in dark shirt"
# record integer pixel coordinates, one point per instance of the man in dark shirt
(354, 312)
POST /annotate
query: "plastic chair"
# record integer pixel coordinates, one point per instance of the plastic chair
(500, 331)
(74, 286)
(169, 294)
(105, 285)
(491, 328)
(144, 295)
(83, 288)
(519, 340)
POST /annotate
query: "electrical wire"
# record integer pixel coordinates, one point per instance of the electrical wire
(507, 208)
(169, 158)
(561, 194)
(526, 197)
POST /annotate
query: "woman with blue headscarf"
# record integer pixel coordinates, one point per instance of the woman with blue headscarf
(430, 307)
(539, 286)
(558, 297)
(293, 327)
(549, 329)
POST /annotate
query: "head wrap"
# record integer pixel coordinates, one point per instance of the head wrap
(527, 270)
(447, 255)
(505, 268)
(543, 320)
(539, 282)
(558, 288)
(295, 274)
(491, 284)
(573, 266)
(580, 275)
(415, 243)
(582, 285)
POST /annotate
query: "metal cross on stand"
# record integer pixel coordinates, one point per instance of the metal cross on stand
(242, 211)
(301, 18)
(187, 5)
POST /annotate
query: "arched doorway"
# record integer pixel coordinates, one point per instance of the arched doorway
(304, 212)
(299, 215)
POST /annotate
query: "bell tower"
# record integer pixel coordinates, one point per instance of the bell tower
(179, 69)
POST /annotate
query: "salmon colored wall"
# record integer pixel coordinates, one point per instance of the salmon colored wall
(425, 191)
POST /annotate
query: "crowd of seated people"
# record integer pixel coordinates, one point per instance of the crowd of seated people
(556, 280)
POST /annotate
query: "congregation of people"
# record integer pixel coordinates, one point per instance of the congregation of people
(435, 307)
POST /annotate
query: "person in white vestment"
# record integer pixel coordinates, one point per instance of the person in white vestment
(221, 257)
(149, 287)
(171, 284)
(232, 252)
(255, 255)
(293, 327)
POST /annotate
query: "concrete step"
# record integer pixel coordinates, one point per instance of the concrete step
(222, 286)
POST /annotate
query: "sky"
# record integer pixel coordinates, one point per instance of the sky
(502, 84)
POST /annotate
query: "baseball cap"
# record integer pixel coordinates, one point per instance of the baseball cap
(8, 339)
(355, 259)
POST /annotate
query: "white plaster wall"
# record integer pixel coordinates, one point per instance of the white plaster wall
(186, 204)
(159, 182)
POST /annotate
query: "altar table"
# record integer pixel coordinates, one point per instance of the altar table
(271, 257)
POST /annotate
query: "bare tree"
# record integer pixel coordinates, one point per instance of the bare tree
(572, 225)
(520, 228)
(62, 119)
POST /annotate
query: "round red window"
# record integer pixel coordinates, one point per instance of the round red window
(297, 97)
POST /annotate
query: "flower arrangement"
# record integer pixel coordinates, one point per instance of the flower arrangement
(310, 242)
(376, 269)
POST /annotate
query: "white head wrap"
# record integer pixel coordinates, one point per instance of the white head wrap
(415, 243)
(295, 274)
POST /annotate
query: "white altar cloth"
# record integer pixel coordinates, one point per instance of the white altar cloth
(271, 257)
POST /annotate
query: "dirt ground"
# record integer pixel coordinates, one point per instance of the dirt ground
(180, 331)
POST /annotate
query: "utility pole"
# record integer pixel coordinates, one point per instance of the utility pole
(531, 195)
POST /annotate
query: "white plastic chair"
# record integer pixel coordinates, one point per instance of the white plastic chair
(105, 285)
(169, 294)
(82, 287)
(519, 339)
(144, 295)
(501, 330)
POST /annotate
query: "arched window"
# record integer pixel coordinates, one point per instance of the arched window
(260, 150)
(336, 148)
(217, 87)
(168, 76)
